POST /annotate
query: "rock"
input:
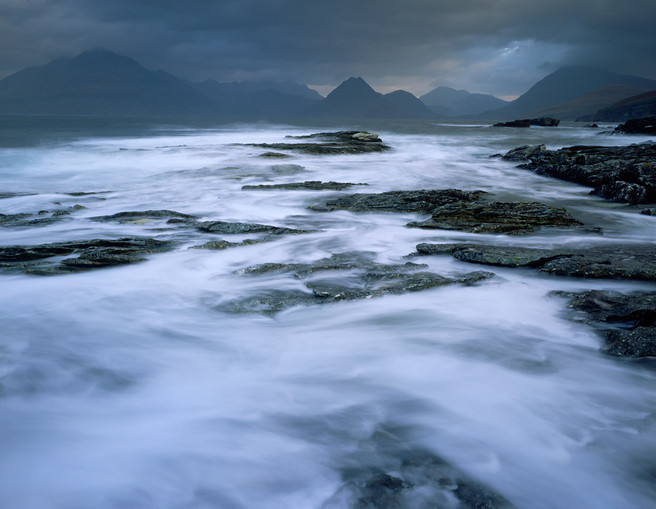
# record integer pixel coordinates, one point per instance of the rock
(274, 155)
(95, 253)
(237, 228)
(624, 174)
(644, 125)
(411, 478)
(496, 217)
(420, 200)
(604, 262)
(627, 321)
(140, 215)
(648, 212)
(310, 185)
(341, 142)
(524, 152)
(527, 122)
(364, 279)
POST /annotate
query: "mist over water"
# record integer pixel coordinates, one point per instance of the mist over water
(133, 387)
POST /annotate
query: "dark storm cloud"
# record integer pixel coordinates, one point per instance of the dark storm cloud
(499, 46)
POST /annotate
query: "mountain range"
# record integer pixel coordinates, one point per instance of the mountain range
(100, 82)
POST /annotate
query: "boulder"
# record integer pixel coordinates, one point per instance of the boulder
(644, 125)
(341, 142)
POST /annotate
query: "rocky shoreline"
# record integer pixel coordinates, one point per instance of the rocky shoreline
(625, 173)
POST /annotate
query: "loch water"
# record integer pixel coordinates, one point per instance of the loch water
(134, 387)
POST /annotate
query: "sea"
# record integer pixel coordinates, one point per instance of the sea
(136, 387)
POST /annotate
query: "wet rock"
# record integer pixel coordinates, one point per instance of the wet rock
(274, 155)
(496, 217)
(414, 478)
(288, 169)
(420, 200)
(145, 215)
(528, 122)
(627, 321)
(341, 142)
(648, 212)
(219, 245)
(524, 152)
(623, 174)
(310, 185)
(41, 218)
(237, 228)
(644, 125)
(363, 279)
(603, 262)
(91, 254)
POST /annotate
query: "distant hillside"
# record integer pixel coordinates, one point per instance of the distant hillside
(642, 105)
(566, 84)
(256, 99)
(590, 102)
(354, 98)
(449, 102)
(99, 82)
(245, 87)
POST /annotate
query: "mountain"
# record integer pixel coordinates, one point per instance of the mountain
(642, 105)
(354, 98)
(212, 87)
(590, 102)
(563, 85)
(449, 102)
(100, 82)
(258, 100)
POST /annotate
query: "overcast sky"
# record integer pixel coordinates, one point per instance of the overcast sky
(500, 47)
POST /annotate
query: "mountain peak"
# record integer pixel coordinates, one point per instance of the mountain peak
(352, 88)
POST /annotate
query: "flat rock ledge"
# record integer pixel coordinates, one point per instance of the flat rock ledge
(308, 185)
(528, 122)
(360, 278)
(453, 209)
(633, 262)
(77, 256)
(340, 142)
(623, 174)
(626, 321)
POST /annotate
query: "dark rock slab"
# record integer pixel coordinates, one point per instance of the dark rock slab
(644, 125)
(624, 174)
(604, 262)
(420, 200)
(141, 215)
(41, 218)
(341, 142)
(91, 254)
(627, 321)
(496, 217)
(363, 279)
(310, 185)
(528, 122)
(244, 228)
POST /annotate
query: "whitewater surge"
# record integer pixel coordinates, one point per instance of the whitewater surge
(133, 386)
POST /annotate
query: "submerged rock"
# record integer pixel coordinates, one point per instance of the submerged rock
(627, 321)
(496, 217)
(387, 475)
(420, 200)
(341, 142)
(42, 218)
(310, 185)
(623, 174)
(603, 262)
